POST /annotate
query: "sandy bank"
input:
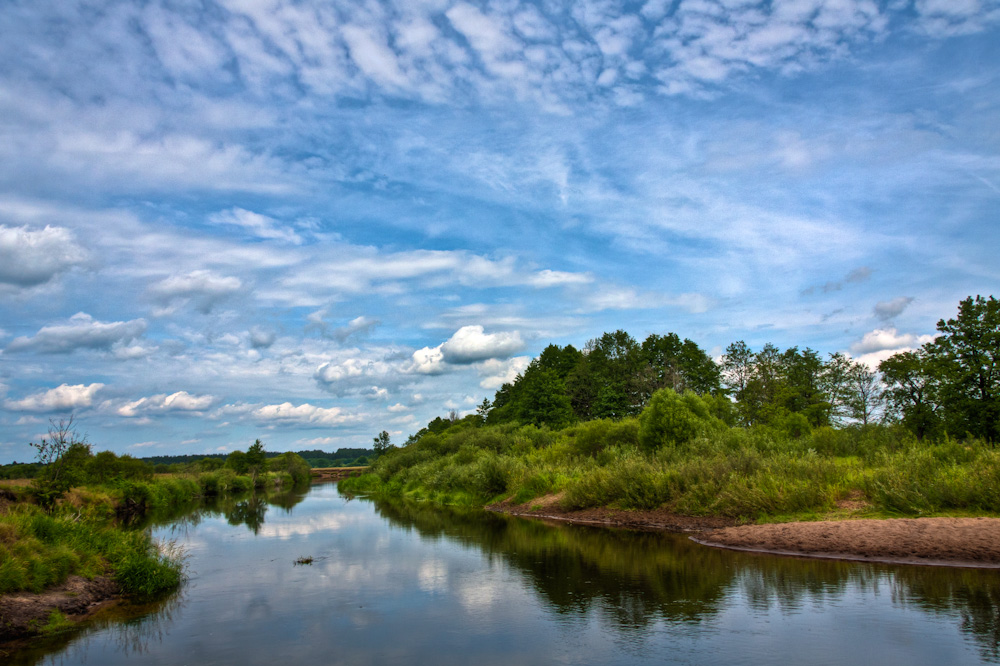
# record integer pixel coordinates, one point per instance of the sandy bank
(961, 542)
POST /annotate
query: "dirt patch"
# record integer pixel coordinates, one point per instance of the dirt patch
(966, 542)
(659, 519)
(24, 613)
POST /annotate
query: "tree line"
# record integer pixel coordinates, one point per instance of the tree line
(949, 385)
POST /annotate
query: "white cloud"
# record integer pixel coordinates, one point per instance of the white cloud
(428, 361)
(32, 257)
(359, 326)
(81, 332)
(628, 298)
(888, 339)
(256, 224)
(304, 414)
(470, 344)
(373, 56)
(550, 278)
(181, 401)
(204, 288)
(496, 373)
(63, 398)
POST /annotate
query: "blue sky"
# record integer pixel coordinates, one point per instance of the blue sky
(310, 221)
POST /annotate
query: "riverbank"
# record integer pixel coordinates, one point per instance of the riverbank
(942, 541)
(26, 614)
(956, 542)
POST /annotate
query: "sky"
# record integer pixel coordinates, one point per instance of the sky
(309, 221)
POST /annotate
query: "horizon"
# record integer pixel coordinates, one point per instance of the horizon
(309, 223)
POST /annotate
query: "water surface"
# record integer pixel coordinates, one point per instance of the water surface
(399, 583)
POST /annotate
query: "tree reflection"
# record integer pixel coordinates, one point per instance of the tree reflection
(637, 578)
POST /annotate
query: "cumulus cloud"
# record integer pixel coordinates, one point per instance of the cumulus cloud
(261, 338)
(887, 310)
(62, 398)
(888, 339)
(203, 288)
(305, 414)
(29, 257)
(181, 401)
(256, 224)
(428, 361)
(470, 344)
(495, 373)
(81, 332)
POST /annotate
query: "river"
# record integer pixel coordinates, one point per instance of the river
(403, 583)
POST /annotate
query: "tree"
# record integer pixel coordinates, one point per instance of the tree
(64, 455)
(382, 444)
(483, 410)
(967, 356)
(237, 461)
(678, 365)
(865, 397)
(542, 398)
(911, 391)
(256, 460)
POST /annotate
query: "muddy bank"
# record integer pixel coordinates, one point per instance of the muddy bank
(961, 542)
(23, 614)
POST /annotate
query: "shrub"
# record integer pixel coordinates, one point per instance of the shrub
(671, 419)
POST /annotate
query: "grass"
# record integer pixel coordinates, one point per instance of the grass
(756, 474)
(39, 550)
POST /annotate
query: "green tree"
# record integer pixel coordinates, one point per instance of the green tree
(606, 381)
(679, 365)
(912, 387)
(64, 455)
(256, 460)
(542, 399)
(237, 461)
(671, 419)
(967, 356)
(381, 444)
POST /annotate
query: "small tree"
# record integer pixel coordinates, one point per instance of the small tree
(64, 454)
(382, 444)
(256, 460)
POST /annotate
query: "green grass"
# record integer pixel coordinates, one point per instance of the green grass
(39, 550)
(757, 474)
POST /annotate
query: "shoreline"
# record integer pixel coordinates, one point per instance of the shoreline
(949, 542)
(23, 615)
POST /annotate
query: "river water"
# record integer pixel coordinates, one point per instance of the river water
(399, 583)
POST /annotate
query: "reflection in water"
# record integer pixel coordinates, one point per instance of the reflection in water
(638, 578)
(457, 586)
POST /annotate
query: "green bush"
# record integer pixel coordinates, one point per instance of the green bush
(671, 419)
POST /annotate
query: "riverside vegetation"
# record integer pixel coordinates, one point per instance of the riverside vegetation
(75, 516)
(765, 435)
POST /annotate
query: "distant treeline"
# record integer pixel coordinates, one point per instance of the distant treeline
(179, 463)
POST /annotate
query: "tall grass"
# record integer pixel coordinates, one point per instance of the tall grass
(38, 550)
(748, 474)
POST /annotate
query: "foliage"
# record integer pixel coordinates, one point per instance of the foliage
(381, 444)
